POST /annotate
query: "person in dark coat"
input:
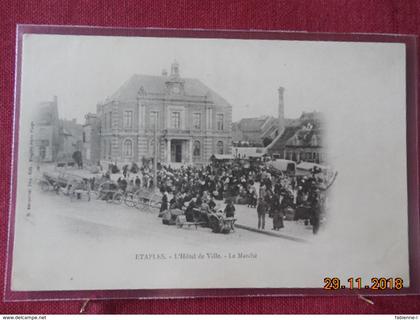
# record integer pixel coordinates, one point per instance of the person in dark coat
(189, 212)
(229, 209)
(123, 184)
(276, 212)
(137, 182)
(262, 208)
(315, 210)
(164, 205)
(212, 204)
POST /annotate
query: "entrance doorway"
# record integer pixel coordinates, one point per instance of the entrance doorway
(176, 151)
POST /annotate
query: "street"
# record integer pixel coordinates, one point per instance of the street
(97, 219)
(78, 243)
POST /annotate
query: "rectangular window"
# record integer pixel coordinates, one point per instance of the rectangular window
(197, 121)
(154, 117)
(176, 120)
(110, 121)
(128, 119)
(219, 121)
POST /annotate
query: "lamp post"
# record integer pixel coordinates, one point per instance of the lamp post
(155, 154)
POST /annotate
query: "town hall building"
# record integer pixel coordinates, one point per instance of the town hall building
(189, 121)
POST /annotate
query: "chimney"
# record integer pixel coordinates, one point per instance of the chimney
(281, 110)
(164, 73)
(55, 100)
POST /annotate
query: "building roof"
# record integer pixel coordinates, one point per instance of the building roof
(297, 129)
(265, 124)
(310, 125)
(157, 85)
(252, 124)
(271, 132)
(71, 128)
(280, 142)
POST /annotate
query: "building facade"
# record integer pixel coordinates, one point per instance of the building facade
(91, 139)
(70, 139)
(302, 139)
(46, 131)
(256, 131)
(180, 120)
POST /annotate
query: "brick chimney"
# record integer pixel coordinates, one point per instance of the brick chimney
(281, 110)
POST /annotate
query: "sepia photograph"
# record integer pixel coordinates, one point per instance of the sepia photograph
(206, 163)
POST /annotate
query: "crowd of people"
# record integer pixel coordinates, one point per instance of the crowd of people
(253, 185)
(196, 191)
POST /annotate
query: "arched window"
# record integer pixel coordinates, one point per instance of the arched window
(197, 149)
(128, 148)
(220, 147)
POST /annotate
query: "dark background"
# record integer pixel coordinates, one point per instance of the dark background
(381, 16)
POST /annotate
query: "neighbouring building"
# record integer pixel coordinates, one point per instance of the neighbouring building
(256, 131)
(189, 121)
(70, 139)
(302, 139)
(298, 139)
(91, 139)
(46, 131)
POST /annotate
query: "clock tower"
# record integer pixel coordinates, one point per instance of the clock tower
(174, 84)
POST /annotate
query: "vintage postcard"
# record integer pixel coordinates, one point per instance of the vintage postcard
(170, 162)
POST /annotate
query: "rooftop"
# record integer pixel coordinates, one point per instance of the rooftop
(157, 85)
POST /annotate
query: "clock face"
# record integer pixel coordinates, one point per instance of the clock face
(175, 89)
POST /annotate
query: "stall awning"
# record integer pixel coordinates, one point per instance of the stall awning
(223, 156)
(307, 166)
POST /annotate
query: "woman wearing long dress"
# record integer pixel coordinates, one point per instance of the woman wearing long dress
(164, 205)
(276, 212)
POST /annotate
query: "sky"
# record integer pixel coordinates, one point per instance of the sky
(84, 70)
